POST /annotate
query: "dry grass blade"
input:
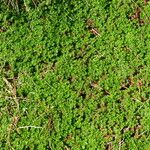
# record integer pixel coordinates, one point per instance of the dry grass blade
(120, 144)
(12, 90)
(18, 4)
(10, 128)
(95, 31)
(26, 127)
(8, 84)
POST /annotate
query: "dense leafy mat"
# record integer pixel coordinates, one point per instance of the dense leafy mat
(75, 75)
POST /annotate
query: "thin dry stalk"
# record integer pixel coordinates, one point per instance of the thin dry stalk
(12, 90)
(26, 127)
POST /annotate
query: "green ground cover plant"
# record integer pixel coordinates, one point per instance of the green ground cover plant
(74, 75)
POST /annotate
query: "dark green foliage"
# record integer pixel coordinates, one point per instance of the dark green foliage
(75, 75)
